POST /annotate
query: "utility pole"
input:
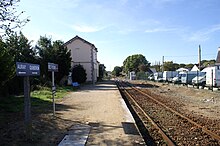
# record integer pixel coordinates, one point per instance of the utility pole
(199, 55)
(162, 63)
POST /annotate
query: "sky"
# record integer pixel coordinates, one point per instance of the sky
(120, 28)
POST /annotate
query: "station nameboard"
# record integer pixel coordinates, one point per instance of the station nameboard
(52, 67)
(27, 69)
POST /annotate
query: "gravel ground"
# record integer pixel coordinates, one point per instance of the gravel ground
(102, 107)
(202, 106)
(197, 101)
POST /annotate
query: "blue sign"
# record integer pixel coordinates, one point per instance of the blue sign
(27, 69)
(52, 67)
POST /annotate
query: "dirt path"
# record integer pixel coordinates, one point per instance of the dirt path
(102, 107)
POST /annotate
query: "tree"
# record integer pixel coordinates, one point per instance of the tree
(20, 48)
(117, 71)
(54, 52)
(9, 18)
(131, 63)
(7, 65)
(206, 63)
(62, 58)
(168, 66)
(142, 68)
(189, 66)
(15, 48)
(182, 65)
(101, 71)
(79, 74)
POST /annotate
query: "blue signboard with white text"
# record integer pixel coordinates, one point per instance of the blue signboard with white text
(52, 67)
(27, 69)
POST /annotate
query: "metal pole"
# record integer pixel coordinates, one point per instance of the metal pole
(197, 79)
(53, 87)
(27, 108)
(162, 63)
(212, 78)
(199, 58)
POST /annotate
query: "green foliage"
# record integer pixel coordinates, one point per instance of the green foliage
(206, 63)
(79, 74)
(7, 65)
(141, 75)
(54, 52)
(170, 66)
(20, 48)
(62, 58)
(131, 63)
(40, 98)
(142, 68)
(14, 48)
(117, 71)
(101, 71)
(189, 66)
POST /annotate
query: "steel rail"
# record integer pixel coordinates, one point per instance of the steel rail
(214, 135)
(164, 136)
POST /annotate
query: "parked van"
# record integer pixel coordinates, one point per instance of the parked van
(151, 77)
(177, 78)
(158, 76)
(213, 76)
(200, 79)
(168, 75)
(187, 77)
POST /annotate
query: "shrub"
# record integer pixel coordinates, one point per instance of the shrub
(79, 74)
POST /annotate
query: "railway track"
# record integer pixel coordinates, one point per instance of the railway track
(166, 126)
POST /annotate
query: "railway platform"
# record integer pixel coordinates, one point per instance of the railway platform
(103, 118)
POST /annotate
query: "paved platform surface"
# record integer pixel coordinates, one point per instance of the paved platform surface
(102, 108)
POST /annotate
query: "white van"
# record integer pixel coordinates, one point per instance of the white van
(158, 76)
(168, 75)
(188, 76)
(177, 78)
(213, 76)
(200, 79)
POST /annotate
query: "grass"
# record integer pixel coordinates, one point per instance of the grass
(39, 99)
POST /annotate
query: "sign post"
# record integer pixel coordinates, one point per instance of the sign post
(26, 70)
(53, 68)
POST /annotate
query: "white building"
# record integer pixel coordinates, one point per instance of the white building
(85, 54)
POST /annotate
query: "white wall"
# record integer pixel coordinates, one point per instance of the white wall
(81, 54)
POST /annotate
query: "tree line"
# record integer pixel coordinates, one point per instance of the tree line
(17, 48)
(139, 64)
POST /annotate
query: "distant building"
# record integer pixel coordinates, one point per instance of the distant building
(218, 57)
(195, 68)
(132, 75)
(152, 70)
(85, 54)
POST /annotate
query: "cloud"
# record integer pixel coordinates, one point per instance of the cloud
(160, 30)
(204, 34)
(86, 28)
